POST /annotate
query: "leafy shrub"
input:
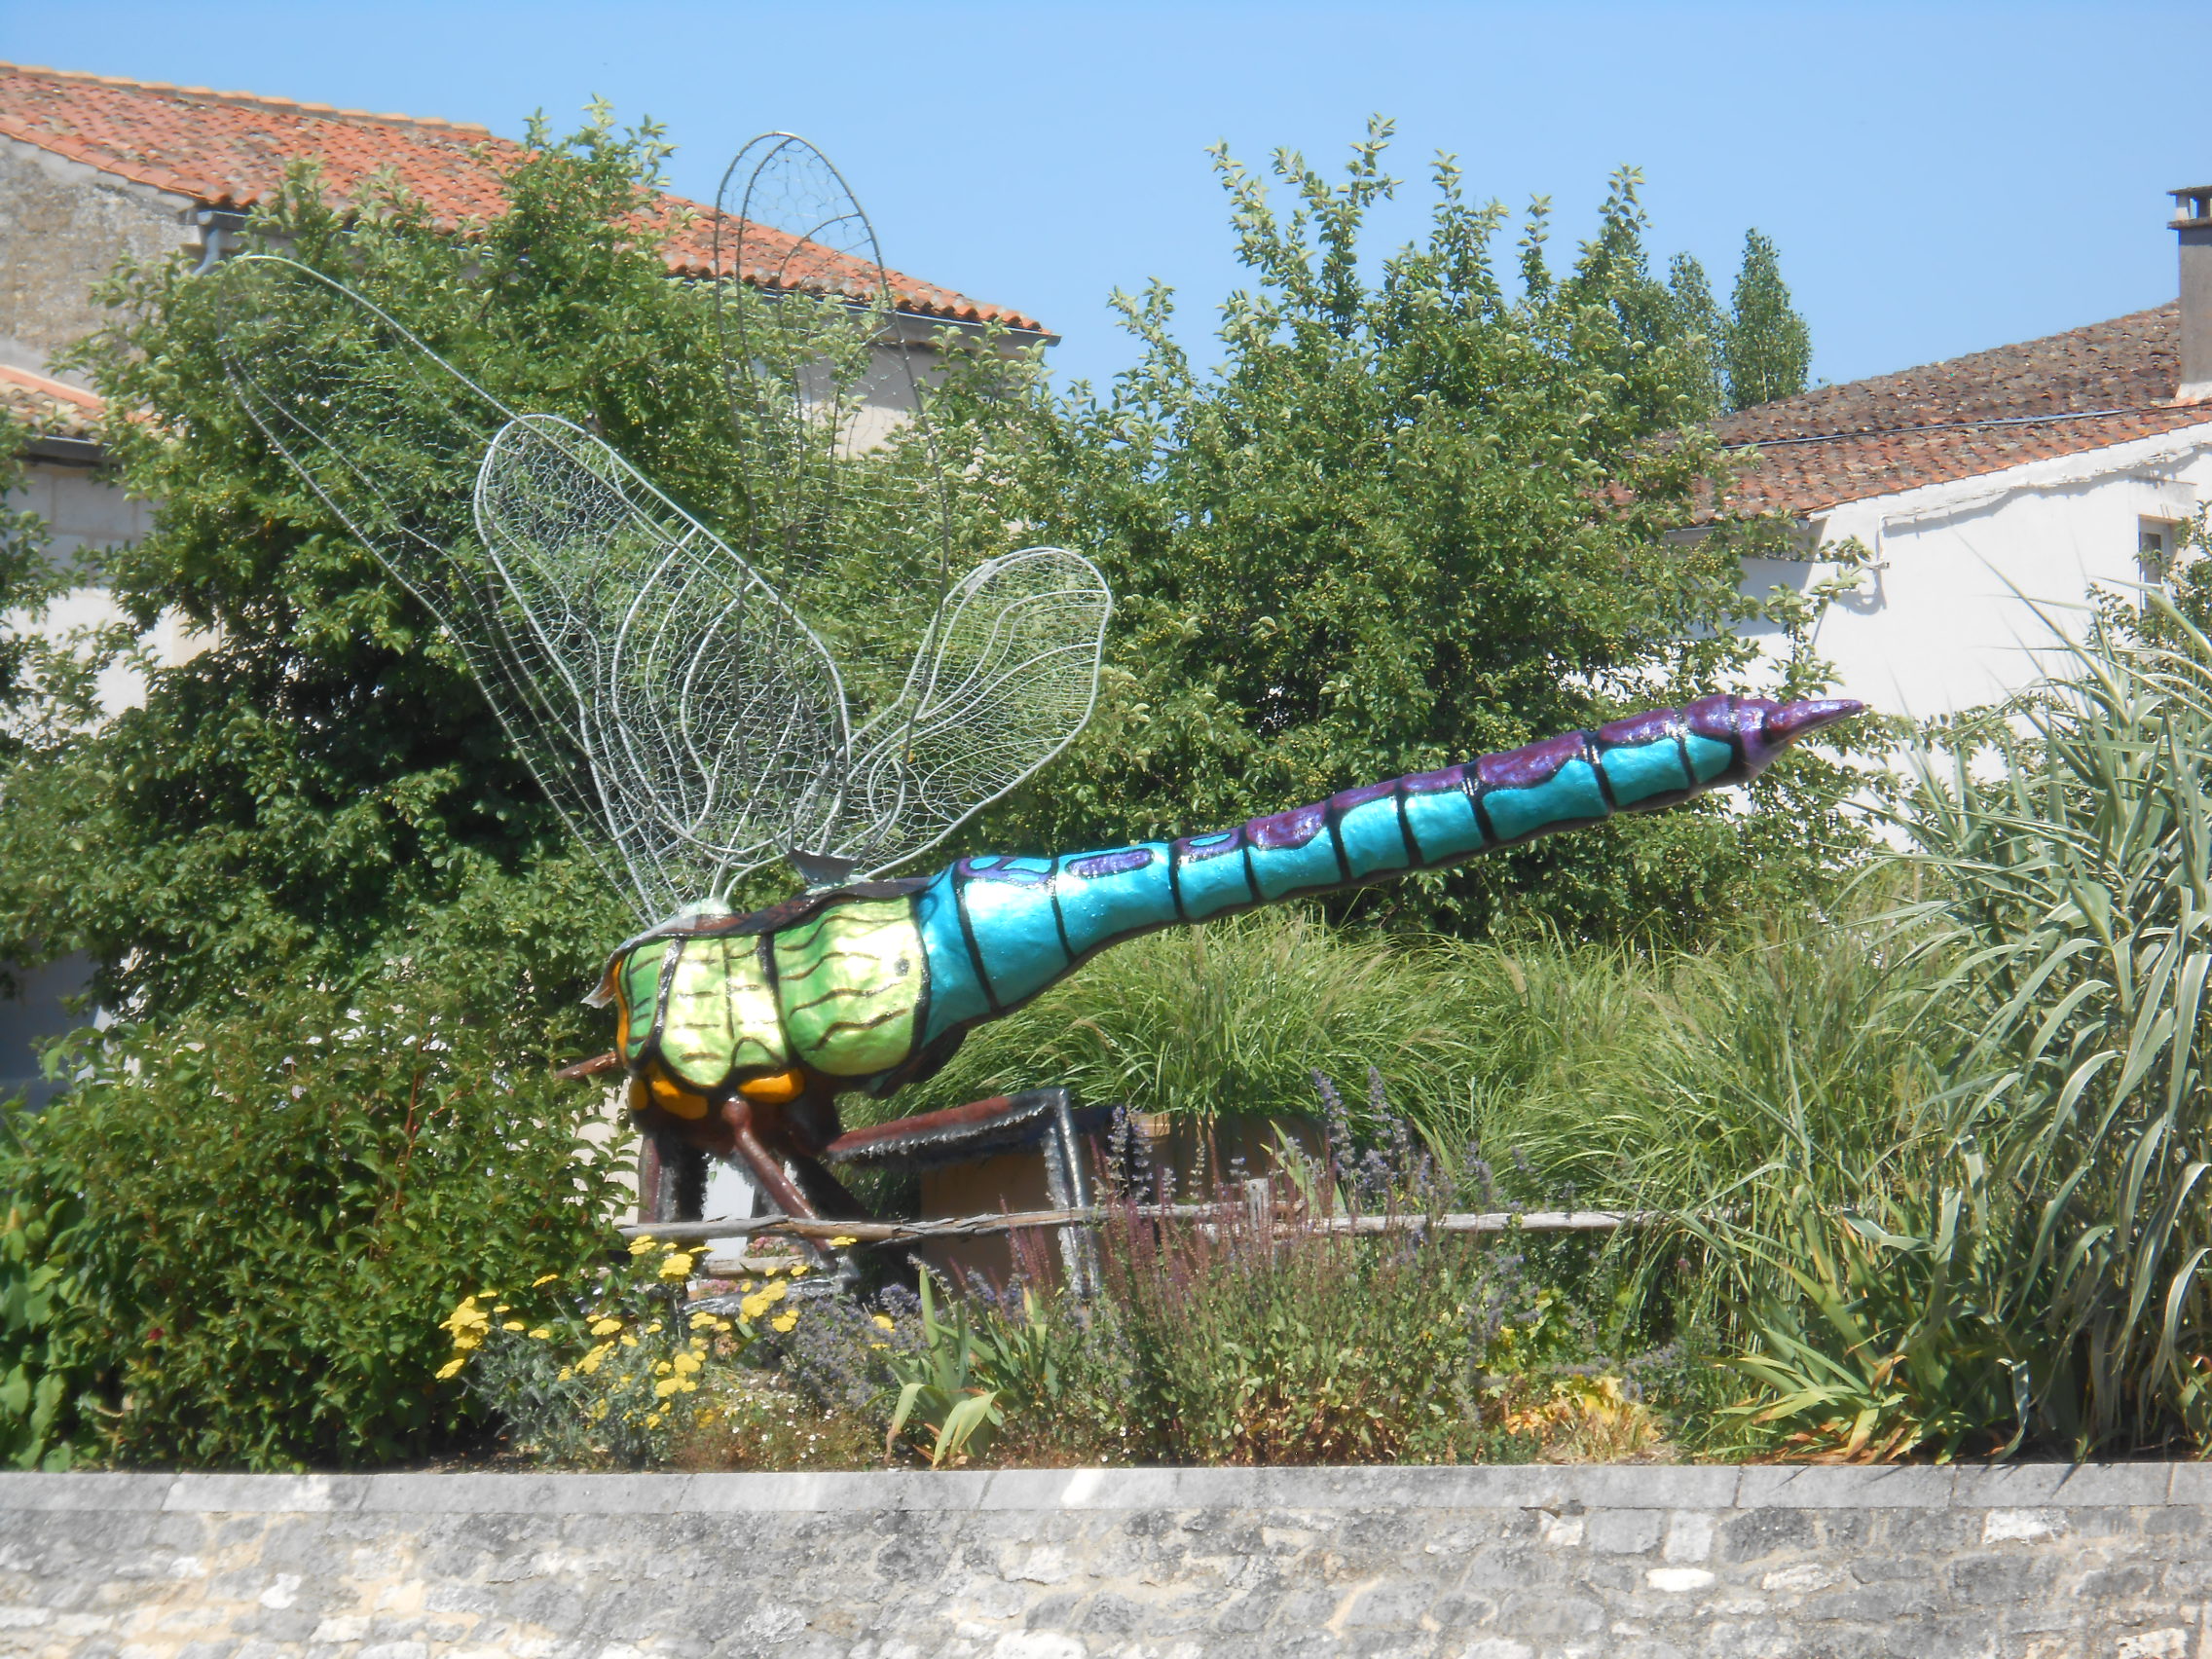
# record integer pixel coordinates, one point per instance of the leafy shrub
(46, 1372)
(263, 1201)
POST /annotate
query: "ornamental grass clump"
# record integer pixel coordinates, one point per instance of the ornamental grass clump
(2021, 1261)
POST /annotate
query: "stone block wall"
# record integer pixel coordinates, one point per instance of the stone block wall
(62, 225)
(2098, 1562)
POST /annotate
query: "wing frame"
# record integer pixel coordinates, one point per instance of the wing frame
(947, 696)
(539, 687)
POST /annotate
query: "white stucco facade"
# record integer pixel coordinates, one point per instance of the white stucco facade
(1945, 614)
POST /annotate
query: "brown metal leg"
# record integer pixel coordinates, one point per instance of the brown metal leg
(737, 1113)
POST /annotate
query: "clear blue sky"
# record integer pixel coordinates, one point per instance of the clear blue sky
(1940, 177)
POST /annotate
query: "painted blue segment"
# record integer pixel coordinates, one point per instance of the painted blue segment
(1569, 796)
(1709, 758)
(1096, 909)
(1444, 825)
(1647, 769)
(1212, 885)
(956, 997)
(1015, 932)
(1282, 871)
(1371, 837)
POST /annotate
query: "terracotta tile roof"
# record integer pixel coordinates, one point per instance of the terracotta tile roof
(47, 407)
(2065, 394)
(228, 150)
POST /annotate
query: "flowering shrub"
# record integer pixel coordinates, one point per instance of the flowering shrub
(612, 1368)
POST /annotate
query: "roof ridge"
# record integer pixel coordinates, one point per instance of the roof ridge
(253, 100)
(46, 385)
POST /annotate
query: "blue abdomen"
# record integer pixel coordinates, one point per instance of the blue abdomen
(998, 930)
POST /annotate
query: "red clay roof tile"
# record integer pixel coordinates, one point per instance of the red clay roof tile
(228, 150)
(48, 407)
(2064, 394)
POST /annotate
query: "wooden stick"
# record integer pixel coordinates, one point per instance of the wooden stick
(974, 1226)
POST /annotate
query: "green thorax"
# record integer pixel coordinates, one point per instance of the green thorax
(836, 992)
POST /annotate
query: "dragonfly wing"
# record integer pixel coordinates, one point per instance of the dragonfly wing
(391, 436)
(712, 717)
(822, 368)
(1004, 683)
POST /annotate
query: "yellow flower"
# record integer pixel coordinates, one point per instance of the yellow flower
(542, 1333)
(702, 1321)
(883, 1322)
(466, 1318)
(642, 1243)
(543, 1279)
(565, 1374)
(653, 1421)
(629, 1342)
(592, 1360)
(841, 1243)
(501, 1308)
(606, 1327)
(678, 1266)
(451, 1367)
(685, 1364)
(663, 1369)
(510, 1325)
(653, 1329)
(786, 1322)
(665, 1387)
(468, 1342)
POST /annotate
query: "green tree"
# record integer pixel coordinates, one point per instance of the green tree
(1696, 316)
(1769, 349)
(1412, 517)
(28, 578)
(319, 791)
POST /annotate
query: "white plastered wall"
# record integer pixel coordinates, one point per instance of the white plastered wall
(1946, 614)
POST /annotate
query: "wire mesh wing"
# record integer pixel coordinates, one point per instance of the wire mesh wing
(712, 717)
(591, 584)
(1006, 680)
(820, 363)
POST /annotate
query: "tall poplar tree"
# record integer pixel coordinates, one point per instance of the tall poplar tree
(1769, 349)
(1696, 319)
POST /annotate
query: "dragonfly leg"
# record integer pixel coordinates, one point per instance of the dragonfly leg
(737, 1116)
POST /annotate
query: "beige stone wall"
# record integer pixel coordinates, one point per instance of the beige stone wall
(62, 225)
(1620, 1561)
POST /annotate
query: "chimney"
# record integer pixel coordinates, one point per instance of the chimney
(2192, 209)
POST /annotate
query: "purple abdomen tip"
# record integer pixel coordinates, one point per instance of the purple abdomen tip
(1794, 721)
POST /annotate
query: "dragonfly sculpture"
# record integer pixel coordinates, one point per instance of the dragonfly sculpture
(694, 728)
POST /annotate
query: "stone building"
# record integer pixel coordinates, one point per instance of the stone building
(94, 168)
